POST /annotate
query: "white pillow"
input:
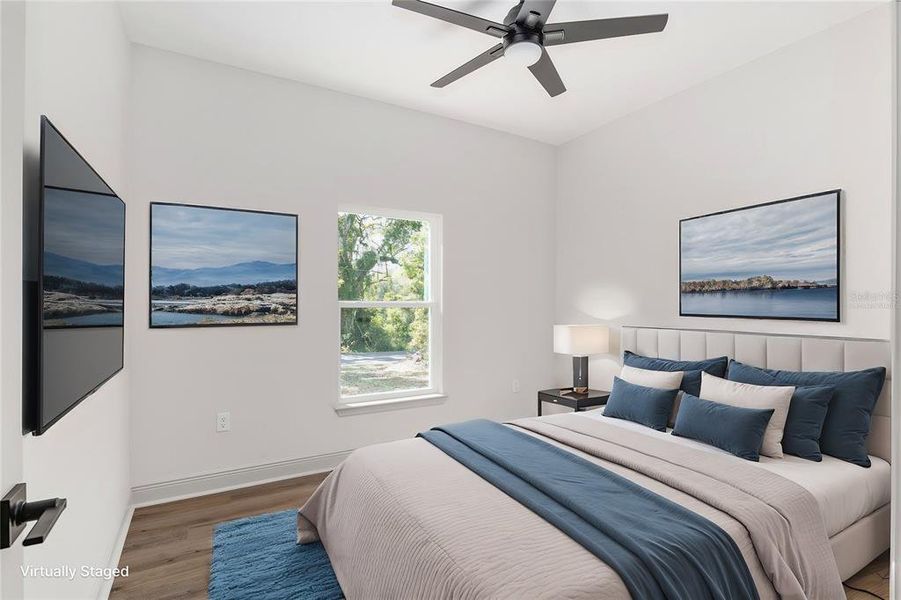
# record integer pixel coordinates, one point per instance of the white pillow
(745, 395)
(662, 380)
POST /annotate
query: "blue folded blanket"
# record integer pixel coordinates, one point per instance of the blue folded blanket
(659, 549)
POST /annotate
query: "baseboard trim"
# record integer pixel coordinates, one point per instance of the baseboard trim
(223, 481)
(107, 585)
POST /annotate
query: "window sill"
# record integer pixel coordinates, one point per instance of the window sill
(370, 406)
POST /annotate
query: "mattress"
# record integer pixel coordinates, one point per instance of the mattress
(844, 492)
(404, 519)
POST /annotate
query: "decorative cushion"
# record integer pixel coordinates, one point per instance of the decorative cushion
(691, 383)
(662, 380)
(645, 405)
(847, 422)
(806, 415)
(691, 376)
(734, 429)
(748, 395)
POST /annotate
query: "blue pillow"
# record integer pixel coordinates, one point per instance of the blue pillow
(806, 416)
(645, 405)
(847, 422)
(691, 380)
(734, 429)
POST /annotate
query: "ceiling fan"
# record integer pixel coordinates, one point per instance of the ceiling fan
(525, 34)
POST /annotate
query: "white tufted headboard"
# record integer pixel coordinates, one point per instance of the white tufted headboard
(789, 352)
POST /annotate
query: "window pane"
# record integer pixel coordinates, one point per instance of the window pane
(384, 350)
(381, 258)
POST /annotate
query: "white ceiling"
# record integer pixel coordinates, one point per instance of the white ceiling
(378, 51)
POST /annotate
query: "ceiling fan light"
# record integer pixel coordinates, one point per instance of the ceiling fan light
(524, 54)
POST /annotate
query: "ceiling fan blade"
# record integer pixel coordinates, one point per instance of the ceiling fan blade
(449, 15)
(599, 29)
(546, 74)
(531, 13)
(490, 55)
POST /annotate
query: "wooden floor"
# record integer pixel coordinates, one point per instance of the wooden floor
(169, 546)
(873, 578)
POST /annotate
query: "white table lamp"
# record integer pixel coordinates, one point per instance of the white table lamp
(581, 341)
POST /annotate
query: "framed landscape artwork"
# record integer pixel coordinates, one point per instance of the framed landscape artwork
(214, 267)
(778, 260)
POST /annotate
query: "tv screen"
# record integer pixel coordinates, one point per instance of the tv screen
(80, 282)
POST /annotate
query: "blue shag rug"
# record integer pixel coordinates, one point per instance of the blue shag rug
(258, 558)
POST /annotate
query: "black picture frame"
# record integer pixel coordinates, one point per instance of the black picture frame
(838, 260)
(234, 325)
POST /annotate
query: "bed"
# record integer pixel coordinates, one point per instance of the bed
(404, 519)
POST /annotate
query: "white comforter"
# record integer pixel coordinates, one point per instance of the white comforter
(844, 492)
(403, 519)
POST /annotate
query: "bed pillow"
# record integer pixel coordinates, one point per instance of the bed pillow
(641, 404)
(747, 395)
(691, 381)
(691, 372)
(734, 429)
(847, 422)
(806, 415)
(662, 380)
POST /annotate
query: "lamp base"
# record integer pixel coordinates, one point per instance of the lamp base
(580, 374)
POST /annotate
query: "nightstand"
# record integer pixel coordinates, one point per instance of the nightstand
(577, 402)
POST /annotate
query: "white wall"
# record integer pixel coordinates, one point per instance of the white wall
(894, 580)
(77, 73)
(209, 134)
(812, 116)
(12, 121)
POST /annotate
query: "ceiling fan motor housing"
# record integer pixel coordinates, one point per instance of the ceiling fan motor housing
(521, 34)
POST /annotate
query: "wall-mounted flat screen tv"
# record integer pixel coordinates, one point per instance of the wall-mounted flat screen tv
(779, 260)
(74, 301)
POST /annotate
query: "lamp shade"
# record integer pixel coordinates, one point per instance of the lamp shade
(581, 340)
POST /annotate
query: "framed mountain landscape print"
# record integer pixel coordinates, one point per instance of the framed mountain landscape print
(778, 260)
(213, 267)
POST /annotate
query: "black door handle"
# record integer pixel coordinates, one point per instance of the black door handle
(46, 512)
(15, 512)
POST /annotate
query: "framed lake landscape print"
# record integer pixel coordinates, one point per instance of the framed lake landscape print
(778, 260)
(213, 267)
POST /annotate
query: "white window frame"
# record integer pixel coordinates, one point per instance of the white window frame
(433, 301)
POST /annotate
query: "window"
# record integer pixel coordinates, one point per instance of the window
(389, 300)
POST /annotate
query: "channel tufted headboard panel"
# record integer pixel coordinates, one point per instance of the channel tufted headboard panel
(795, 353)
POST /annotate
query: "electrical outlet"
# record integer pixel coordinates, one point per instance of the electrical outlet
(516, 386)
(223, 422)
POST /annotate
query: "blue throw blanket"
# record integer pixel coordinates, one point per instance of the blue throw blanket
(659, 549)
